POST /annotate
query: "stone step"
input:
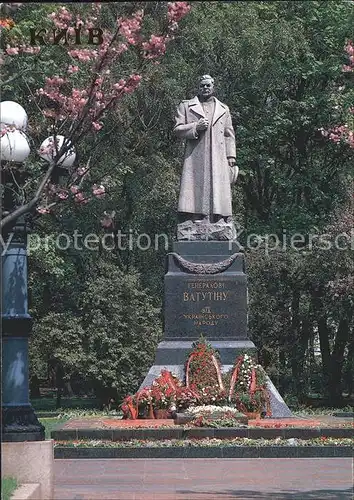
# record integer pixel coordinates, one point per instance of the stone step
(206, 452)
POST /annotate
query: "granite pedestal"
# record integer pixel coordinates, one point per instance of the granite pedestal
(205, 294)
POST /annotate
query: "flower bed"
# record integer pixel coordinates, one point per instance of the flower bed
(170, 443)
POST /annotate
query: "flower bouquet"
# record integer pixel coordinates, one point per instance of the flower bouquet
(251, 404)
(144, 403)
(129, 409)
(248, 389)
(162, 400)
(163, 393)
(186, 397)
(212, 395)
(216, 416)
(203, 371)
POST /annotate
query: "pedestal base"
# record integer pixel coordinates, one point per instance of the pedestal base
(20, 423)
(206, 294)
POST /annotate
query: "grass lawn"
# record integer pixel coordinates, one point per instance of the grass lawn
(51, 424)
(8, 486)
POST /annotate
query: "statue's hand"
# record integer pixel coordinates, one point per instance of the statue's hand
(202, 124)
(233, 170)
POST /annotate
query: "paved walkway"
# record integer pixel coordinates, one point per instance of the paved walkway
(199, 479)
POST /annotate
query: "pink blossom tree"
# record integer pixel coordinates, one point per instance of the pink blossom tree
(344, 132)
(89, 82)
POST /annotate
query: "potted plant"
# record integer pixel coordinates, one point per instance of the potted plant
(162, 400)
(251, 405)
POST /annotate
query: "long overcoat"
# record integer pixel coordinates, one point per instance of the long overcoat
(205, 183)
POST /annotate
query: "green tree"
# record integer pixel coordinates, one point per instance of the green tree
(57, 350)
(121, 327)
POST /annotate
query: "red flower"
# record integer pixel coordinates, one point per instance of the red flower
(7, 23)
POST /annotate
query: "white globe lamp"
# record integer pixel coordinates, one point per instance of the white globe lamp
(13, 114)
(14, 146)
(48, 151)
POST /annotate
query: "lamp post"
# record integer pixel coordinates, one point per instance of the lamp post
(19, 421)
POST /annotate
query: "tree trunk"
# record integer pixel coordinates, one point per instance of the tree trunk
(35, 392)
(336, 363)
(58, 399)
(323, 332)
(59, 382)
(302, 382)
(349, 371)
(68, 389)
(294, 353)
(282, 370)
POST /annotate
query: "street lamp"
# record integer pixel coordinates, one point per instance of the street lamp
(19, 421)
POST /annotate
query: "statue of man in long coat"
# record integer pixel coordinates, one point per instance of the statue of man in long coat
(210, 154)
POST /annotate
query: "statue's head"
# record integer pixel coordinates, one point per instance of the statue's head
(206, 86)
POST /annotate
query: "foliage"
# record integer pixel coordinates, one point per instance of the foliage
(302, 305)
(91, 84)
(59, 339)
(123, 330)
(107, 341)
(8, 486)
(344, 132)
(79, 413)
(47, 405)
(305, 410)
